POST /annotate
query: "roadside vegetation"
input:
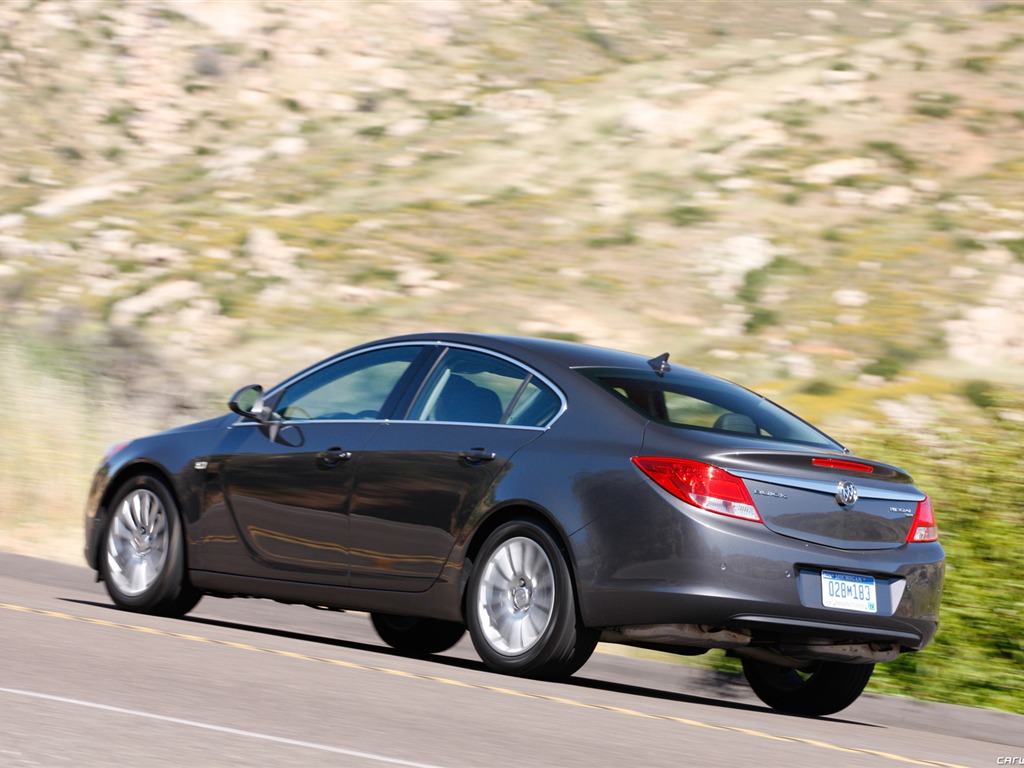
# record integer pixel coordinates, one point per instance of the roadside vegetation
(973, 473)
(58, 421)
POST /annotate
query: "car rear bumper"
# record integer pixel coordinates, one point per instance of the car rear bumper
(717, 572)
(761, 621)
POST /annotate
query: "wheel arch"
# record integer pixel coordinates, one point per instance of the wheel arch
(117, 481)
(505, 514)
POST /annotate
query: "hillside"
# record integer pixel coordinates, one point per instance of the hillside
(806, 189)
(821, 200)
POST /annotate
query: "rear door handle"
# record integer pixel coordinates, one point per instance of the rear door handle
(332, 457)
(477, 455)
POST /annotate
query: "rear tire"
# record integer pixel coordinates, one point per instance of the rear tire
(416, 636)
(521, 606)
(142, 555)
(822, 689)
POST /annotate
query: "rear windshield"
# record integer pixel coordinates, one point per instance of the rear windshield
(687, 399)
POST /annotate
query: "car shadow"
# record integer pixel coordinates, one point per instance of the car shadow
(580, 680)
(354, 645)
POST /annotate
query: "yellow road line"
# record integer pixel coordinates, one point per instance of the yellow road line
(481, 687)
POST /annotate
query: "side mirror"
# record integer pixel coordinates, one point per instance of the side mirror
(248, 402)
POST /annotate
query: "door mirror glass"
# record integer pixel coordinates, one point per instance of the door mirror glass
(248, 402)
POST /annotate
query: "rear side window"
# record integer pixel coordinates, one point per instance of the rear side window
(536, 405)
(470, 387)
(688, 399)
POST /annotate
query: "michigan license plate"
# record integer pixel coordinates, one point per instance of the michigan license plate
(848, 591)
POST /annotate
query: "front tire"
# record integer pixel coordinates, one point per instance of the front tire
(521, 606)
(142, 560)
(417, 636)
(823, 689)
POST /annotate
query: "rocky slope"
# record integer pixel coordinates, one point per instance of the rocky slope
(196, 194)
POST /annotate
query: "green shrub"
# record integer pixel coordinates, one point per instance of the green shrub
(753, 283)
(966, 243)
(1016, 247)
(932, 104)
(894, 151)
(688, 215)
(760, 318)
(1005, 9)
(372, 131)
(119, 114)
(626, 237)
(819, 388)
(70, 153)
(887, 367)
(561, 336)
(978, 64)
(1011, 43)
(981, 393)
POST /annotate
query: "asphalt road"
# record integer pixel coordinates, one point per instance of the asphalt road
(254, 683)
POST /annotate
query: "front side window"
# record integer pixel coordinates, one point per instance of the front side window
(477, 388)
(356, 387)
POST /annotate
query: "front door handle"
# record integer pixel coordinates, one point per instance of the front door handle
(332, 457)
(477, 455)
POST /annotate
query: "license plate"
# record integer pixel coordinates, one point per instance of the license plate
(848, 591)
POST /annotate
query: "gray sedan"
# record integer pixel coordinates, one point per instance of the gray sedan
(543, 495)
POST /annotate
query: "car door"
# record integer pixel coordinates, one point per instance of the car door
(420, 479)
(287, 484)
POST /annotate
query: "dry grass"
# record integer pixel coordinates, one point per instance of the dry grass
(51, 439)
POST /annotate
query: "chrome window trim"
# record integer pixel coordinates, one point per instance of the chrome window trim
(563, 403)
(386, 422)
(342, 356)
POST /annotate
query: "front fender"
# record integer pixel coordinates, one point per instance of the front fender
(170, 456)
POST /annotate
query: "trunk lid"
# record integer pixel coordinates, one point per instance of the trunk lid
(835, 500)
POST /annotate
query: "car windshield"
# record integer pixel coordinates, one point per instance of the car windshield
(683, 398)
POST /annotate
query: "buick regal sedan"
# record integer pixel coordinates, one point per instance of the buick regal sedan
(543, 495)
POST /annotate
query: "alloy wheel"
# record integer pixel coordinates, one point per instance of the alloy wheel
(516, 596)
(137, 542)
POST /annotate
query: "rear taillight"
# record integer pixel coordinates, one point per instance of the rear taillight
(924, 527)
(702, 485)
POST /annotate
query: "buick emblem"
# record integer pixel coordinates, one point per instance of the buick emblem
(846, 493)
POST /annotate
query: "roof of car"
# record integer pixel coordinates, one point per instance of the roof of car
(565, 353)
